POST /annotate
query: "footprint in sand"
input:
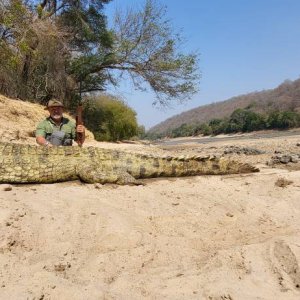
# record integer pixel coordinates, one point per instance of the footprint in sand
(285, 265)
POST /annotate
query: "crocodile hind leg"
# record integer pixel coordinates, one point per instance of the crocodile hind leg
(92, 174)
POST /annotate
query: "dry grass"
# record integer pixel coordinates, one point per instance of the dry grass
(283, 182)
(19, 119)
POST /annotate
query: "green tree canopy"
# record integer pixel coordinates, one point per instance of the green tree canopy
(110, 119)
(283, 119)
(246, 120)
(49, 46)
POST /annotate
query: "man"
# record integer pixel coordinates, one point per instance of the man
(56, 129)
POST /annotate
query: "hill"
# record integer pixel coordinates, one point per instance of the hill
(19, 119)
(285, 97)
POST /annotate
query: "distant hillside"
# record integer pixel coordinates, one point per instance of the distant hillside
(285, 97)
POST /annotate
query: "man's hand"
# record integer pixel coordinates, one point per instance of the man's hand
(43, 142)
(80, 129)
(47, 144)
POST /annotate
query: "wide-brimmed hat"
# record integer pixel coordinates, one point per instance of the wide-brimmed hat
(53, 103)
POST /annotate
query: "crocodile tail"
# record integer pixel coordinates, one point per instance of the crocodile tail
(150, 166)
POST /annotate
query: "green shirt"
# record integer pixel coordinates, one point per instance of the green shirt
(48, 126)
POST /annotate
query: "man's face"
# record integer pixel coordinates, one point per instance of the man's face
(56, 112)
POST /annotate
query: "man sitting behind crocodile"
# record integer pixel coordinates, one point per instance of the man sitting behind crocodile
(56, 130)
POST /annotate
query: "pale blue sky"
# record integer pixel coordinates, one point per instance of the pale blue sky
(244, 46)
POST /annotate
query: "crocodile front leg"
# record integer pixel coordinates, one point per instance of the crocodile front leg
(100, 174)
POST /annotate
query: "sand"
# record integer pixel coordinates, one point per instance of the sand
(202, 237)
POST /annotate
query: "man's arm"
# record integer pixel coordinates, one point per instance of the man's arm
(40, 135)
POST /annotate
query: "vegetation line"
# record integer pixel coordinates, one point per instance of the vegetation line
(241, 120)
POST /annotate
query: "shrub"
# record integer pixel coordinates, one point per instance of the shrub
(283, 119)
(110, 119)
(244, 120)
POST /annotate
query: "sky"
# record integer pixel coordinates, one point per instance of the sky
(244, 46)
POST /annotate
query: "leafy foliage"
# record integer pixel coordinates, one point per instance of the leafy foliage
(283, 120)
(50, 46)
(147, 48)
(110, 119)
(244, 120)
(183, 130)
(285, 97)
(241, 120)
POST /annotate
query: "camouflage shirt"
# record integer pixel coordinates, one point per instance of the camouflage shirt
(48, 126)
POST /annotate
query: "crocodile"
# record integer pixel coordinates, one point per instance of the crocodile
(21, 163)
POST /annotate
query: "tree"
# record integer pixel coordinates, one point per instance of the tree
(14, 23)
(144, 47)
(183, 130)
(204, 129)
(141, 132)
(245, 120)
(147, 49)
(35, 54)
(283, 119)
(47, 41)
(216, 126)
(110, 119)
(142, 44)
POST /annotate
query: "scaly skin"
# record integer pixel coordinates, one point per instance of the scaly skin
(34, 164)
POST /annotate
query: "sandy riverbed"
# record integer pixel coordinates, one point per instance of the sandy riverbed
(204, 237)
